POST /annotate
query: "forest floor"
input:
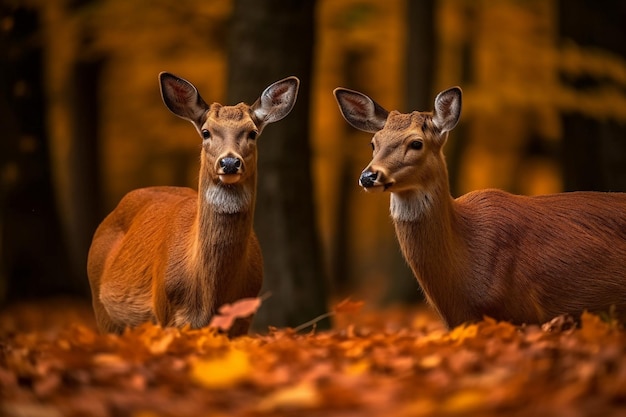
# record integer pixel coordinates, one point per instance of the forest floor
(395, 362)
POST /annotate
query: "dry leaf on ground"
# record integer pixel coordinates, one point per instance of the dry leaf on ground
(394, 363)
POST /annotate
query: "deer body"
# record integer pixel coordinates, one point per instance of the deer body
(516, 258)
(171, 255)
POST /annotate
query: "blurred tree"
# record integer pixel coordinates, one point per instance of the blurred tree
(269, 40)
(33, 256)
(72, 74)
(421, 50)
(594, 149)
(343, 275)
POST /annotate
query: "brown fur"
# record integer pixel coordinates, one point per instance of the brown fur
(172, 256)
(516, 258)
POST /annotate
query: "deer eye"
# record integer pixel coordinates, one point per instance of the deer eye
(417, 145)
(253, 134)
(372, 145)
(206, 134)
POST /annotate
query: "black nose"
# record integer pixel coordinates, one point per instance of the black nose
(368, 178)
(230, 165)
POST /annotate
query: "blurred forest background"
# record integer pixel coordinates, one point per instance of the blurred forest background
(82, 122)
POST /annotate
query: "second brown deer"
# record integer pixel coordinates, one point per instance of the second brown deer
(489, 253)
(171, 255)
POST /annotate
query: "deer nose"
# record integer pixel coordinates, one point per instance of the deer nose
(230, 165)
(368, 178)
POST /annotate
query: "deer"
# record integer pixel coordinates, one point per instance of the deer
(521, 259)
(172, 256)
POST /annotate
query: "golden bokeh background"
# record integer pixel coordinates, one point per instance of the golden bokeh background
(509, 57)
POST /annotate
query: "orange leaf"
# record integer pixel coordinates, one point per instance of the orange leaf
(592, 328)
(347, 306)
(228, 313)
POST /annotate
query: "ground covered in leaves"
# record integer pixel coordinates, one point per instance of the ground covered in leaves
(374, 363)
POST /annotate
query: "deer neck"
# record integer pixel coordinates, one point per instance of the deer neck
(222, 229)
(427, 229)
(224, 221)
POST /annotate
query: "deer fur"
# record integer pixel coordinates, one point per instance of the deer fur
(489, 253)
(173, 256)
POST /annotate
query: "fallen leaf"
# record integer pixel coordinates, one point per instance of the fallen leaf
(420, 407)
(301, 396)
(222, 372)
(347, 306)
(464, 402)
(111, 361)
(430, 361)
(376, 363)
(357, 368)
(592, 327)
(228, 313)
(462, 332)
(159, 345)
(559, 324)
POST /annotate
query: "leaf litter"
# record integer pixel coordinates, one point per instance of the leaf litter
(395, 362)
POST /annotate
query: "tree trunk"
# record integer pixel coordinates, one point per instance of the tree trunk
(594, 151)
(85, 188)
(269, 40)
(73, 108)
(33, 261)
(421, 55)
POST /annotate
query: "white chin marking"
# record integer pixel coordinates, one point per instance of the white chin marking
(230, 179)
(411, 207)
(226, 199)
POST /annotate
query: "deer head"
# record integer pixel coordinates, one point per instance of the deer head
(406, 147)
(228, 133)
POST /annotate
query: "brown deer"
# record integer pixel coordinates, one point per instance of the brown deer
(171, 255)
(515, 258)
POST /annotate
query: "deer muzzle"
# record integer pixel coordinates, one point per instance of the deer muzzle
(230, 169)
(373, 180)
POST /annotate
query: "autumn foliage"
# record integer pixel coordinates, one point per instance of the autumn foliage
(380, 363)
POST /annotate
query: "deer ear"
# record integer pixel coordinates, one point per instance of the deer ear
(276, 101)
(447, 109)
(360, 111)
(182, 98)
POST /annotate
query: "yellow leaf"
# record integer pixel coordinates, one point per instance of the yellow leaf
(159, 345)
(433, 336)
(222, 372)
(462, 332)
(357, 368)
(464, 401)
(430, 361)
(304, 395)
